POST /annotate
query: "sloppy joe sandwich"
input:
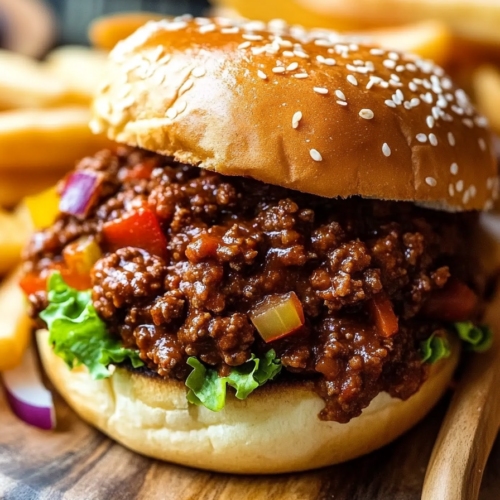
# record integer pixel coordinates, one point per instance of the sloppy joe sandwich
(272, 270)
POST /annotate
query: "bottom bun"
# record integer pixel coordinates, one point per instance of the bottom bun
(275, 430)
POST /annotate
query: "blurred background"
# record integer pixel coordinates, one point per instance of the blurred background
(52, 54)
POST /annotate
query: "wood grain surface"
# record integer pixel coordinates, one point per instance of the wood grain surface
(79, 463)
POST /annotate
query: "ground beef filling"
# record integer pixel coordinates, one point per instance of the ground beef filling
(234, 241)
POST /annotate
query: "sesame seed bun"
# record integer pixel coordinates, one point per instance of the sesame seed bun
(275, 430)
(305, 110)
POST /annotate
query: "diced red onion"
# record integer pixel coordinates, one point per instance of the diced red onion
(28, 397)
(79, 193)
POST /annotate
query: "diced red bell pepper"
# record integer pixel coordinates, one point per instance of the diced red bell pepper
(142, 170)
(202, 247)
(139, 229)
(383, 315)
(455, 302)
(37, 282)
(31, 283)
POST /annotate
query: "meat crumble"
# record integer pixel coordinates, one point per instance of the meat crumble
(233, 241)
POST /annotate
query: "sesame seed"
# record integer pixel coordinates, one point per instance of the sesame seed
(262, 75)
(340, 94)
(301, 53)
(330, 62)
(411, 67)
(433, 139)
(320, 90)
(430, 121)
(421, 138)
(400, 95)
(451, 190)
(279, 69)
(459, 186)
(473, 191)
(288, 53)
(390, 103)
(207, 28)
(352, 79)
(301, 75)
(181, 106)
(377, 52)
(393, 56)
(454, 169)
(451, 138)
(386, 149)
(415, 102)
(413, 86)
(431, 181)
(466, 197)
(198, 72)
(407, 105)
(253, 38)
(230, 31)
(315, 155)
(367, 114)
(96, 127)
(323, 43)
(482, 144)
(244, 45)
(342, 103)
(296, 119)
(187, 85)
(389, 63)
(468, 122)
(171, 113)
(293, 66)
(481, 121)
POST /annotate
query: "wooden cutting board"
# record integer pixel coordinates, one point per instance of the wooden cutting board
(77, 462)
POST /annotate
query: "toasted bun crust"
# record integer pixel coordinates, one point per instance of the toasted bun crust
(275, 430)
(223, 95)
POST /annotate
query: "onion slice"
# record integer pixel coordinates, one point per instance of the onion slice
(80, 192)
(28, 397)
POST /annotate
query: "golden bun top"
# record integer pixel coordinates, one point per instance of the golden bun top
(307, 110)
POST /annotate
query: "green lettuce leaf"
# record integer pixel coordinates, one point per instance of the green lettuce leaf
(77, 333)
(208, 389)
(434, 348)
(476, 338)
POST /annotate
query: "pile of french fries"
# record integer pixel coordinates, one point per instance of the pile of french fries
(44, 115)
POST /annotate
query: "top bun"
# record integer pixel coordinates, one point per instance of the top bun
(306, 110)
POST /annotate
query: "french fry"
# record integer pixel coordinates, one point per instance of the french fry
(25, 83)
(45, 140)
(430, 39)
(486, 83)
(18, 184)
(80, 68)
(472, 20)
(106, 32)
(14, 324)
(14, 233)
(296, 12)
